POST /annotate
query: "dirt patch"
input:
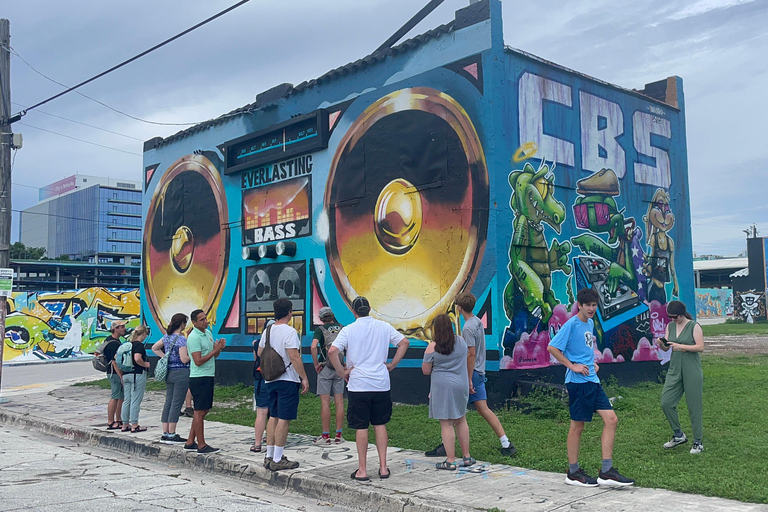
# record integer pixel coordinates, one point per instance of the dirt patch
(742, 344)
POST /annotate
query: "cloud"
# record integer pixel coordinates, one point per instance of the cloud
(706, 6)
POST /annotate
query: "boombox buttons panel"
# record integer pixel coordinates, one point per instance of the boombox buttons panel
(407, 200)
(186, 243)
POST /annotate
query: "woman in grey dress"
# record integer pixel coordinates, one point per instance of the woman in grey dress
(445, 359)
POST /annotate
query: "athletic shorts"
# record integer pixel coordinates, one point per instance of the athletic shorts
(283, 399)
(117, 387)
(329, 382)
(260, 398)
(368, 408)
(478, 381)
(586, 398)
(202, 392)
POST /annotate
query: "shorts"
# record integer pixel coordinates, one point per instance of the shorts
(368, 408)
(329, 382)
(117, 387)
(283, 399)
(260, 398)
(202, 392)
(586, 398)
(478, 381)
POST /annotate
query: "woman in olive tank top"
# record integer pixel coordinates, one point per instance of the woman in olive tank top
(686, 339)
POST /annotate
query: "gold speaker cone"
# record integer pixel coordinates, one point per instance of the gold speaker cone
(410, 233)
(186, 244)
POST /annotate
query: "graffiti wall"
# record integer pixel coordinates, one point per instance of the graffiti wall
(450, 163)
(72, 323)
(714, 302)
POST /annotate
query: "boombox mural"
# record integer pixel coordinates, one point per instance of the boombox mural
(444, 164)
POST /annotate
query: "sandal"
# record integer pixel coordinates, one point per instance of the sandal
(114, 426)
(126, 428)
(450, 466)
(385, 476)
(138, 428)
(119, 423)
(256, 448)
(359, 478)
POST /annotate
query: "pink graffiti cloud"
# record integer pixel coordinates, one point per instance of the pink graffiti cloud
(529, 352)
(607, 357)
(646, 351)
(659, 319)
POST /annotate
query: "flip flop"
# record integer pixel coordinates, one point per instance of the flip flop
(126, 428)
(359, 478)
(138, 429)
(114, 426)
(256, 449)
(384, 477)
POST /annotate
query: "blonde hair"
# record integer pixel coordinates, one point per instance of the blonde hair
(142, 329)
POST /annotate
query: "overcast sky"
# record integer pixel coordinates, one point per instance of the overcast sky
(719, 47)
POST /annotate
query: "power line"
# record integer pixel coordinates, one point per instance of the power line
(80, 140)
(135, 57)
(79, 122)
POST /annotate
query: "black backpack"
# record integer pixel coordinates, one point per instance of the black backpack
(99, 362)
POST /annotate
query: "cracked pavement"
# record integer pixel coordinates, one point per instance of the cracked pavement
(41, 473)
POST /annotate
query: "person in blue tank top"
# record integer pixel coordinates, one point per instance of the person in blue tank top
(573, 347)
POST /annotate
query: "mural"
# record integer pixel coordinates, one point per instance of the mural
(391, 178)
(714, 302)
(750, 306)
(47, 325)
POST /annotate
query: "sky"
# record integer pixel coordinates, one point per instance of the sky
(718, 47)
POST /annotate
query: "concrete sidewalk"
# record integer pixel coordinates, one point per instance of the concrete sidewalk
(79, 414)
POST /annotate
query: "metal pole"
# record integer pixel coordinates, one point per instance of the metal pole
(5, 168)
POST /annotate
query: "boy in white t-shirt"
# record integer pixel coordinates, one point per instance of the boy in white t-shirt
(367, 342)
(283, 392)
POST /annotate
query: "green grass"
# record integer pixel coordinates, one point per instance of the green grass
(104, 384)
(736, 439)
(734, 329)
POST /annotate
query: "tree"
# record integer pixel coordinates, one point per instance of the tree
(19, 251)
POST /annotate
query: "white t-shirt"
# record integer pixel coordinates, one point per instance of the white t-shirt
(367, 341)
(282, 337)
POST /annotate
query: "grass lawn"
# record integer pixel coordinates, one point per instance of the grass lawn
(735, 329)
(735, 439)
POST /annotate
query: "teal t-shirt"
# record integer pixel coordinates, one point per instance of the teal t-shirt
(199, 341)
(576, 341)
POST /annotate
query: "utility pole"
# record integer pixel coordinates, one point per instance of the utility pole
(6, 137)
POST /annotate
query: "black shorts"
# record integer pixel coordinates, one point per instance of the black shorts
(283, 398)
(586, 398)
(368, 408)
(202, 392)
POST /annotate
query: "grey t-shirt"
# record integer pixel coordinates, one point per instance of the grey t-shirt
(474, 334)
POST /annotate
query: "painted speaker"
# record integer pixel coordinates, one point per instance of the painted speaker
(407, 202)
(186, 240)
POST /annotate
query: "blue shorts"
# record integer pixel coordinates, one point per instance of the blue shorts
(586, 398)
(283, 399)
(260, 398)
(478, 381)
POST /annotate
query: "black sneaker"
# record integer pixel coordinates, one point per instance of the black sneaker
(208, 449)
(509, 451)
(283, 464)
(175, 439)
(580, 479)
(188, 412)
(192, 446)
(614, 478)
(439, 451)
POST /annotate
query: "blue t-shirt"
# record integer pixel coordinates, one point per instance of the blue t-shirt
(576, 341)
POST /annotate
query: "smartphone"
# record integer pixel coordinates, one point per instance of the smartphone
(664, 341)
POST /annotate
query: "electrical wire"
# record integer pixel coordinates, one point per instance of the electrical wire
(80, 140)
(81, 123)
(135, 57)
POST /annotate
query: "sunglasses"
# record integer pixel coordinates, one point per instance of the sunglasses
(673, 317)
(664, 207)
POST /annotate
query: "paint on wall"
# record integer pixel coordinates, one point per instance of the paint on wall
(73, 323)
(750, 306)
(714, 302)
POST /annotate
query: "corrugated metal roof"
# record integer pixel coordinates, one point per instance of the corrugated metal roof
(347, 69)
(720, 264)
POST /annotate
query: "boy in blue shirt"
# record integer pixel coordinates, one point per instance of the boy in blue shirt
(572, 346)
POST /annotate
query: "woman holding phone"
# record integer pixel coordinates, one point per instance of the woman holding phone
(686, 339)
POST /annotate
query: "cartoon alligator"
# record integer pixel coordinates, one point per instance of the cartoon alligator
(531, 263)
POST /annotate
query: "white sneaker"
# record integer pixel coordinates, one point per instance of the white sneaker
(676, 441)
(338, 439)
(697, 448)
(323, 441)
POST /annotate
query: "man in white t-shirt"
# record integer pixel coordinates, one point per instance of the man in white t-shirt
(367, 342)
(283, 392)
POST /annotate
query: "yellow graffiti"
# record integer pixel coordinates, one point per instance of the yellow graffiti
(524, 152)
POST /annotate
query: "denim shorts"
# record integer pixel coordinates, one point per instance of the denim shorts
(260, 398)
(478, 381)
(117, 387)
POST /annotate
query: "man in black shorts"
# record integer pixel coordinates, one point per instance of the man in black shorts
(367, 342)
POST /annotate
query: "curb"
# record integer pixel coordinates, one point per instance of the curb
(307, 484)
(49, 361)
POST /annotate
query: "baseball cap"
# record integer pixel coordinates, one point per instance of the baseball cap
(325, 313)
(117, 323)
(361, 306)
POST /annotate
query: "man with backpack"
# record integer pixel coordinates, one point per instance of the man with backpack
(108, 349)
(328, 381)
(284, 375)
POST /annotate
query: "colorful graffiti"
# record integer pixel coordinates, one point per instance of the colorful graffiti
(714, 302)
(660, 265)
(750, 306)
(47, 325)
